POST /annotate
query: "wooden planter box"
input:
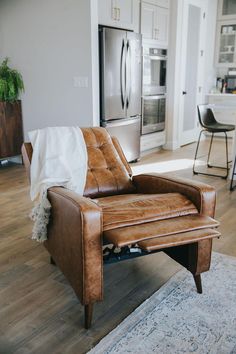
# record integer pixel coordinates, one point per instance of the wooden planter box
(11, 132)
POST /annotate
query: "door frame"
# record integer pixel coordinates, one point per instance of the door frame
(191, 135)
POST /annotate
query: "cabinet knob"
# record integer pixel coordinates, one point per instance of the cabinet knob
(184, 93)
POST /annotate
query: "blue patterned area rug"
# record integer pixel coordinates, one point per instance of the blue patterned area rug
(177, 320)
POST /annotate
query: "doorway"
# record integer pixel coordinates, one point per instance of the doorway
(193, 40)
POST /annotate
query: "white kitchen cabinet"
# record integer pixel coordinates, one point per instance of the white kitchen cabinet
(226, 9)
(154, 23)
(226, 43)
(153, 140)
(119, 13)
(162, 25)
(148, 20)
(161, 3)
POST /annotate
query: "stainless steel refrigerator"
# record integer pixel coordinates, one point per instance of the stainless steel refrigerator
(120, 87)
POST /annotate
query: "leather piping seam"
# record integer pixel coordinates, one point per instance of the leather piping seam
(73, 201)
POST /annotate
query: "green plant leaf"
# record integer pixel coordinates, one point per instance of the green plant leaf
(11, 82)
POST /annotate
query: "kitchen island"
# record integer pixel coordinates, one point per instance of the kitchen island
(224, 107)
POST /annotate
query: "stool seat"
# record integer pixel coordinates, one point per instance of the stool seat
(209, 124)
(220, 128)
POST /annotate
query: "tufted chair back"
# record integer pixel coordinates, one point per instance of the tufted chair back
(108, 170)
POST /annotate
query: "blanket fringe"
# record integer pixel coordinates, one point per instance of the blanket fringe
(40, 214)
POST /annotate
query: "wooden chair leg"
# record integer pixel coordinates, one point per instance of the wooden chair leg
(198, 282)
(88, 314)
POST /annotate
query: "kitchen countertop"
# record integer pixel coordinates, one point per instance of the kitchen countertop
(222, 94)
(223, 101)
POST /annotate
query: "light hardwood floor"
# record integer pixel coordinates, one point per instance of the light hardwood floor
(39, 313)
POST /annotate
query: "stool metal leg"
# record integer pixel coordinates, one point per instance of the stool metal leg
(209, 152)
(195, 157)
(227, 155)
(232, 187)
(208, 158)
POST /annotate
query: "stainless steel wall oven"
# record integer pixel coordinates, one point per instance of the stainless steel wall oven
(154, 70)
(154, 111)
(153, 89)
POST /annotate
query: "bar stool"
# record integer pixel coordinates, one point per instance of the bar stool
(209, 124)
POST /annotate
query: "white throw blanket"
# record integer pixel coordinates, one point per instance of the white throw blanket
(59, 159)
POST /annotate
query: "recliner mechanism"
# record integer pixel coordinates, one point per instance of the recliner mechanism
(116, 254)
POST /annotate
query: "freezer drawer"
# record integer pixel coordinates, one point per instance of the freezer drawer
(127, 131)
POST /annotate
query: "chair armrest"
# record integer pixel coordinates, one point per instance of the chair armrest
(75, 242)
(202, 195)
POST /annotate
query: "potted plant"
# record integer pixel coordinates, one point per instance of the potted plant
(11, 132)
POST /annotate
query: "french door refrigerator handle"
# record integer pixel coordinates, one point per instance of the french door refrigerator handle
(122, 74)
(128, 74)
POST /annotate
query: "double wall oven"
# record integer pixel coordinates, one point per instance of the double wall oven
(154, 89)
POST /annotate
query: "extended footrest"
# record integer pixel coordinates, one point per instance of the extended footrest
(164, 233)
(182, 238)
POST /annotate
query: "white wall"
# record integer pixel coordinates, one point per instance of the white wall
(49, 41)
(210, 70)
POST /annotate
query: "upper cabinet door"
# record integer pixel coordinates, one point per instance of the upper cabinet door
(162, 3)
(154, 24)
(148, 20)
(119, 13)
(226, 44)
(161, 26)
(125, 11)
(226, 9)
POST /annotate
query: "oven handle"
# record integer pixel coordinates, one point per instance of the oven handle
(155, 57)
(154, 97)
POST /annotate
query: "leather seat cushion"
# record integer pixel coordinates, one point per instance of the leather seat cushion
(133, 209)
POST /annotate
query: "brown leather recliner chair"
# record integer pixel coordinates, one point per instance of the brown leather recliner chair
(122, 216)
